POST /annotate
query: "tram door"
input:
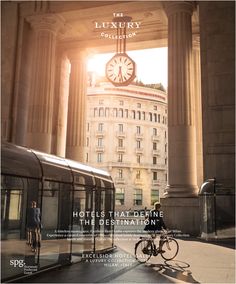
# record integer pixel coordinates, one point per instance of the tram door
(82, 227)
(13, 218)
(104, 217)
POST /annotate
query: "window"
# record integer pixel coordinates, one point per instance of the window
(155, 117)
(106, 112)
(121, 103)
(101, 102)
(165, 134)
(165, 161)
(120, 196)
(143, 113)
(99, 157)
(154, 175)
(100, 142)
(115, 112)
(154, 146)
(133, 114)
(120, 127)
(154, 196)
(138, 196)
(155, 107)
(87, 142)
(138, 144)
(138, 105)
(120, 158)
(138, 159)
(100, 127)
(154, 160)
(101, 111)
(95, 112)
(165, 147)
(120, 173)
(138, 129)
(120, 112)
(154, 131)
(126, 113)
(138, 174)
(120, 142)
(159, 118)
(150, 116)
(139, 115)
(87, 157)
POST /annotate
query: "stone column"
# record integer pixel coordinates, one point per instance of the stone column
(182, 180)
(76, 120)
(198, 109)
(60, 105)
(181, 209)
(45, 28)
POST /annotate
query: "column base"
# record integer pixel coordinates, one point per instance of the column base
(182, 214)
(181, 191)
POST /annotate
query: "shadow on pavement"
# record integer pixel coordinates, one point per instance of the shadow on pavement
(227, 242)
(175, 269)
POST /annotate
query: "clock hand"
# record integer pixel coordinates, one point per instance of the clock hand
(120, 74)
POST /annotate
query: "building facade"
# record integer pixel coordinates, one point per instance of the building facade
(127, 135)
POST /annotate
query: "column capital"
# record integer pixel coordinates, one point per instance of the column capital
(76, 54)
(46, 22)
(173, 7)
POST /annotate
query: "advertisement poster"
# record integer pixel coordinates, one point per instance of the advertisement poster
(117, 131)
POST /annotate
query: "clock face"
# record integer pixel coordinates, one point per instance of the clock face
(120, 70)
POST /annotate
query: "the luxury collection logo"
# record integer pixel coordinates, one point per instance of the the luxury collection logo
(119, 22)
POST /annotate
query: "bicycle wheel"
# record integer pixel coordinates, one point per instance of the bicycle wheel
(170, 249)
(143, 250)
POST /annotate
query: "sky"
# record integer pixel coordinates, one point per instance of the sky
(151, 64)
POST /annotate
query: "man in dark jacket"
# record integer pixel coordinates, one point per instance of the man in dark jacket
(155, 219)
(155, 223)
(34, 226)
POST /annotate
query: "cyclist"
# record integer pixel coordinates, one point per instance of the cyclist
(34, 226)
(155, 222)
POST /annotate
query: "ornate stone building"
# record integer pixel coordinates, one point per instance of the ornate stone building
(127, 135)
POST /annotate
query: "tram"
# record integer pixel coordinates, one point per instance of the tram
(76, 203)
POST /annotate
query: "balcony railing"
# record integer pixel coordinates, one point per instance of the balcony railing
(120, 149)
(156, 137)
(139, 181)
(139, 150)
(156, 182)
(100, 148)
(156, 152)
(119, 180)
(120, 134)
(139, 135)
(100, 133)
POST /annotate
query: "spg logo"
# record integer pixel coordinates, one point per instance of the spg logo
(17, 262)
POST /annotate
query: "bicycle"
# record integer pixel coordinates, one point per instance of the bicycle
(145, 247)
